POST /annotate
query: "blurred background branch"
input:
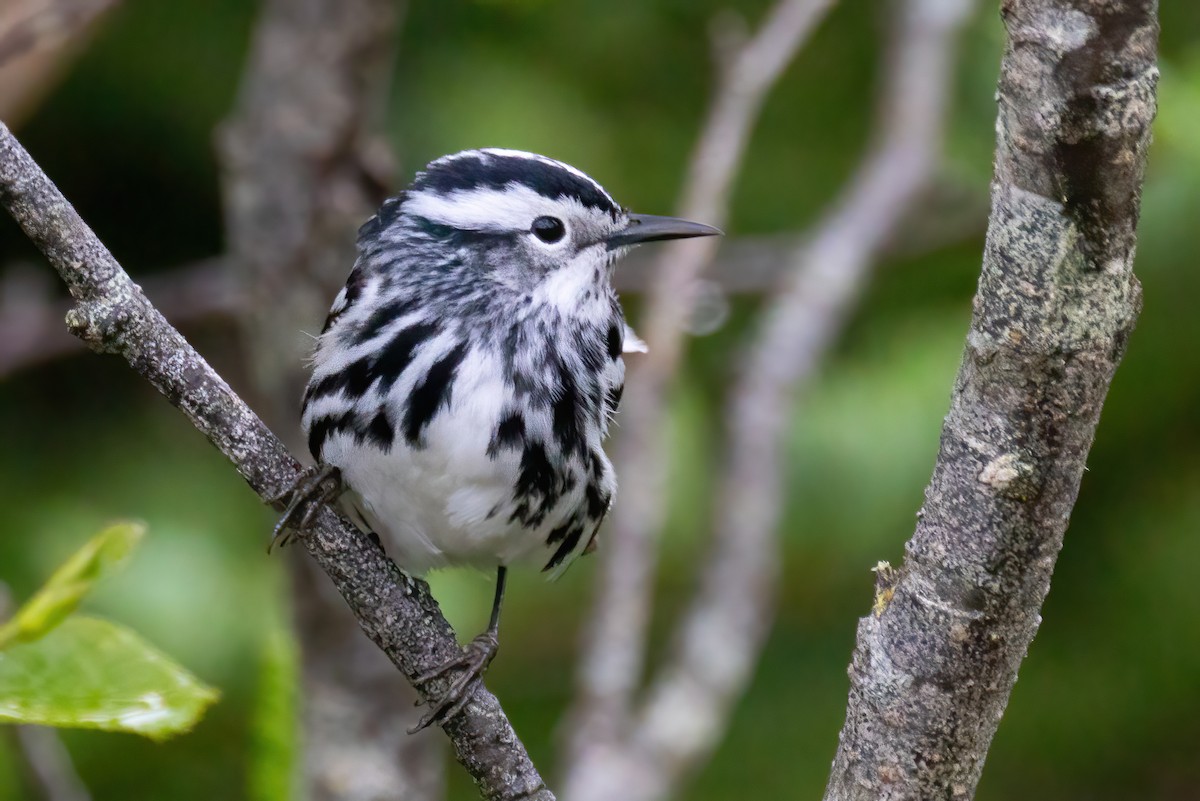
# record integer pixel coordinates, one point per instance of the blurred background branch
(722, 631)
(49, 764)
(612, 656)
(303, 165)
(37, 40)
(191, 295)
(620, 90)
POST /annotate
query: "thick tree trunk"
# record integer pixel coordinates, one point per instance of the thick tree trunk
(936, 662)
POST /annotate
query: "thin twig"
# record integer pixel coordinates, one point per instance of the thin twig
(614, 641)
(46, 23)
(31, 312)
(936, 660)
(722, 632)
(396, 611)
(37, 38)
(50, 764)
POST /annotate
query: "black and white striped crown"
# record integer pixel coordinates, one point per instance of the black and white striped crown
(491, 189)
(498, 169)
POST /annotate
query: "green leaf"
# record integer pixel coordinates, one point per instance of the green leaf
(93, 674)
(103, 554)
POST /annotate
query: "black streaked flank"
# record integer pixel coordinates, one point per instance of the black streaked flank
(399, 352)
(612, 398)
(566, 548)
(615, 343)
(385, 365)
(380, 432)
(537, 475)
(560, 531)
(565, 412)
(536, 480)
(356, 377)
(431, 394)
(510, 433)
(597, 501)
(383, 315)
(492, 171)
(323, 427)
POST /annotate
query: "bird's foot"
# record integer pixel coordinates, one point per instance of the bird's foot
(314, 487)
(473, 661)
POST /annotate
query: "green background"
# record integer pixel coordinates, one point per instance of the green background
(1108, 705)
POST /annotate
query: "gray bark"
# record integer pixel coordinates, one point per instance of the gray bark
(936, 662)
(397, 612)
(303, 164)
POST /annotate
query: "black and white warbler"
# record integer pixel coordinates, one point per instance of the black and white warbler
(467, 373)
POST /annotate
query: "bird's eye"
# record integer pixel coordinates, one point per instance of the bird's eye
(548, 229)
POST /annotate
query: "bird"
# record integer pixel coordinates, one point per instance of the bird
(468, 372)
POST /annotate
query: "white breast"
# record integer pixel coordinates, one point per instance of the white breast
(446, 503)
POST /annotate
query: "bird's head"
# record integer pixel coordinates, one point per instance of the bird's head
(519, 219)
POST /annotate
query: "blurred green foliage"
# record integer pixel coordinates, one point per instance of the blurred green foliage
(60, 669)
(1108, 704)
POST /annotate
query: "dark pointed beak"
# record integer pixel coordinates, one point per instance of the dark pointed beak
(651, 228)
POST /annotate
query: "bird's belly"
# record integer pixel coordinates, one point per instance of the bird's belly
(431, 511)
(446, 500)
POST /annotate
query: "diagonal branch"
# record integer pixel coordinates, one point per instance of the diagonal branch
(303, 163)
(614, 644)
(935, 664)
(397, 612)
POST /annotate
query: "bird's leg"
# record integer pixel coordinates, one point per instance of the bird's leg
(315, 486)
(473, 661)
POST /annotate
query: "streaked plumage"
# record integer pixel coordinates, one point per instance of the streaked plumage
(467, 373)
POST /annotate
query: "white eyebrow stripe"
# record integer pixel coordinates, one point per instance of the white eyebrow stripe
(513, 208)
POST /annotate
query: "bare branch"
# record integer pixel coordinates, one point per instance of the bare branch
(934, 667)
(722, 632)
(37, 38)
(49, 764)
(396, 611)
(303, 164)
(614, 643)
(31, 312)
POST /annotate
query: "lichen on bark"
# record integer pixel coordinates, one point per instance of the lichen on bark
(1057, 300)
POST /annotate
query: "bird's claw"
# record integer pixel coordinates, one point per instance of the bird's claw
(473, 661)
(314, 487)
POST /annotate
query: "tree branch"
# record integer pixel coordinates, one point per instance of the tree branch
(722, 631)
(37, 39)
(933, 669)
(397, 612)
(614, 642)
(303, 164)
